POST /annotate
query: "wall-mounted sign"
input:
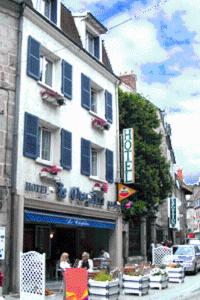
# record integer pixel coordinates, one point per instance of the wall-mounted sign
(128, 155)
(92, 198)
(2, 243)
(32, 187)
(173, 216)
(124, 192)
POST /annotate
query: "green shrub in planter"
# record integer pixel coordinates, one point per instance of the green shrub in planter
(103, 276)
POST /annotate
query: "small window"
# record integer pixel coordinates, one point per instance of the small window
(47, 8)
(93, 101)
(45, 144)
(94, 162)
(90, 43)
(46, 71)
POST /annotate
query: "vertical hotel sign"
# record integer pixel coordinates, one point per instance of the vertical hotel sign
(172, 212)
(128, 153)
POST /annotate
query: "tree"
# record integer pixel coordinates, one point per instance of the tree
(152, 171)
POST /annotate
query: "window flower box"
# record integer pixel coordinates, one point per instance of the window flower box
(98, 187)
(52, 97)
(104, 290)
(135, 284)
(176, 273)
(50, 173)
(100, 124)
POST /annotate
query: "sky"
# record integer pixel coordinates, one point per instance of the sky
(161, 44)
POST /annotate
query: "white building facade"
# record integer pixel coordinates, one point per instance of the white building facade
(68, 151)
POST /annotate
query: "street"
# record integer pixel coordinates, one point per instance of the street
(175, 291)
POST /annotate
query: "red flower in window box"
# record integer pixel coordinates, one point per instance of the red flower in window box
(52, 96)
(100, 124)
(104, 187)
(101, 187)
(53, 170)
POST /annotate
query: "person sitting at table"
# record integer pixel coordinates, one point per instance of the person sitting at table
(64, 261)
(86, 262)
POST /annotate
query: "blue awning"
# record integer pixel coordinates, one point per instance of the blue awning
(53, 218)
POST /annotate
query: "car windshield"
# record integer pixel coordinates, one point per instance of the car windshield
(183, 250)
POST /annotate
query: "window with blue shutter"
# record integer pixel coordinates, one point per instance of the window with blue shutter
(109, 166)
(66, 79)
(54, 11)
(31, 136)
(108, 107)
(66, 149)
(33, 58)
(85, 157)
(96, 47)
(85, 91)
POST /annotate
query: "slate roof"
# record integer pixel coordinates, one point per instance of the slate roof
(105, 58)
(68, 25)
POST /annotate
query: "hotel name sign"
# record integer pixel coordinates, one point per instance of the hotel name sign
(128, 155)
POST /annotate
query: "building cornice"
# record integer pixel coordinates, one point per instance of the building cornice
(69, 209)
(67, 42)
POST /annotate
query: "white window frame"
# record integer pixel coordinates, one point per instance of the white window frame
(90, 37)
(93, 150)
(42, 128)
(44, 8)
(94, 105)
(43, 60)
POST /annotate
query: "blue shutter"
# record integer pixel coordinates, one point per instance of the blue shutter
(54, 11)
(109, 166)
(108, 107)
(96, 47)
(85, 157)
(85, 91)
(33, 58)
(31, 136)
(66, 79)
(66, 149)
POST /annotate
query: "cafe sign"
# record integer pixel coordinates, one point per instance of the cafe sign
(173, 207)
(128, 155)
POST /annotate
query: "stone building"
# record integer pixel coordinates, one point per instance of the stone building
(9, 34)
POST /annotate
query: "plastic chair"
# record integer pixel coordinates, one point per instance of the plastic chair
(58, 269)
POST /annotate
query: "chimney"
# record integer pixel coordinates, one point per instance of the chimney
(180, 174)
(129, 80)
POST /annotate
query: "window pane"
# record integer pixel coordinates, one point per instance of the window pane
(48, 72)
(41, 67)
(94, 162)
(90, 43)
(46, 145)
(93, 101)
(47, 8)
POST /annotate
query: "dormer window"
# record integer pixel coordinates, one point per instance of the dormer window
(49, 10)
(92, 44)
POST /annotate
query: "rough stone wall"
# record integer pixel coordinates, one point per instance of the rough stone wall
(8, 54)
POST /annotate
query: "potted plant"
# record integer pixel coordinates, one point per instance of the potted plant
(52, 97)
(104, 286)
(100, 124)
(50, 173)
(175, 272)
(158, 278)
(136, 280)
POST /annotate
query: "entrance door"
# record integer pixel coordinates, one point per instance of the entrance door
(64, 241)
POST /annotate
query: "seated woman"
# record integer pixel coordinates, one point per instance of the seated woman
(64, 261)
(86, 262)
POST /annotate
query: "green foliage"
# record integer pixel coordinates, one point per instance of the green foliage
(152, 172)
(103, 276)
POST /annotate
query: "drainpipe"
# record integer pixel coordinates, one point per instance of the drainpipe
(117, 131)
(15, 143)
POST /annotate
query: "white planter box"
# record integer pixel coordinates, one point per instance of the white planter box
(135, 284)
(176, 274)
(158, 281)
(104, 289)
(48, 176)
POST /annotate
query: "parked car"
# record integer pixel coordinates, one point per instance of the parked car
(188, 256)
(193, 242)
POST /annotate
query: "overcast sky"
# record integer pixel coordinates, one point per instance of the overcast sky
(161, 44)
